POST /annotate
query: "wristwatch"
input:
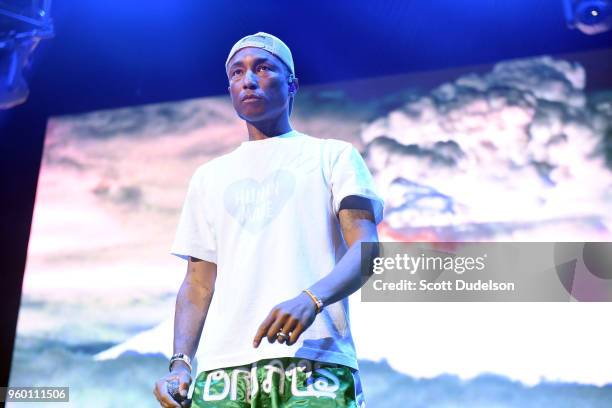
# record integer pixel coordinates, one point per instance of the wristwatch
(182, 357)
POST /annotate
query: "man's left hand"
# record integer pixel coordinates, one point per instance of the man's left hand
(292, 318)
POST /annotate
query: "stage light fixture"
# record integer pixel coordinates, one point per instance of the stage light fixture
(23, 23)
(589, 16)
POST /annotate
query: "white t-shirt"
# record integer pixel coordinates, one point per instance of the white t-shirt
(266, 214)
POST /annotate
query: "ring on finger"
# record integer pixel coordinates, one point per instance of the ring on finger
(282, 335)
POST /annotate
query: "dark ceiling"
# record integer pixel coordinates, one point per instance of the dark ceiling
(117, 52)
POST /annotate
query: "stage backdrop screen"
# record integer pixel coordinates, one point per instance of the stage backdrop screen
(515, 151)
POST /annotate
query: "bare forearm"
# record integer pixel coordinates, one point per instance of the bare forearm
(192, 305)
(346, 277)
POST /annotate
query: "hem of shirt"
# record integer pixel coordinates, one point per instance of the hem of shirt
(308, 353)
(378, 204)
(208, 256)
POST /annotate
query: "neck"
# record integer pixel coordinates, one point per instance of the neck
(265, 130)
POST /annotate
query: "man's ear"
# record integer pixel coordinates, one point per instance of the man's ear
(293, 85)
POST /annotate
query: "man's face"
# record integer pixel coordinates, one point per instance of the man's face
(258, 85)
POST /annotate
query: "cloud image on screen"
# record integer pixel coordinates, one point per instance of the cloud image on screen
(516, 151)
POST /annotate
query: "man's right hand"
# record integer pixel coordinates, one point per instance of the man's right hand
(171, 390)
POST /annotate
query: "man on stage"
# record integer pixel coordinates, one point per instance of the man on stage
(271, 232)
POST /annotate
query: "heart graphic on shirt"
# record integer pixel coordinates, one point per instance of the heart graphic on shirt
(255, 204)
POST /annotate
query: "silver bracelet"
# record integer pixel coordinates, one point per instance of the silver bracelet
(182, 357)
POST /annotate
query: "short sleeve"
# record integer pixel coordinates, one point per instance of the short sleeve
(351, 176)
(195, 235)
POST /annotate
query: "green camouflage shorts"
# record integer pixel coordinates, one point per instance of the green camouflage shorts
(279, 383)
